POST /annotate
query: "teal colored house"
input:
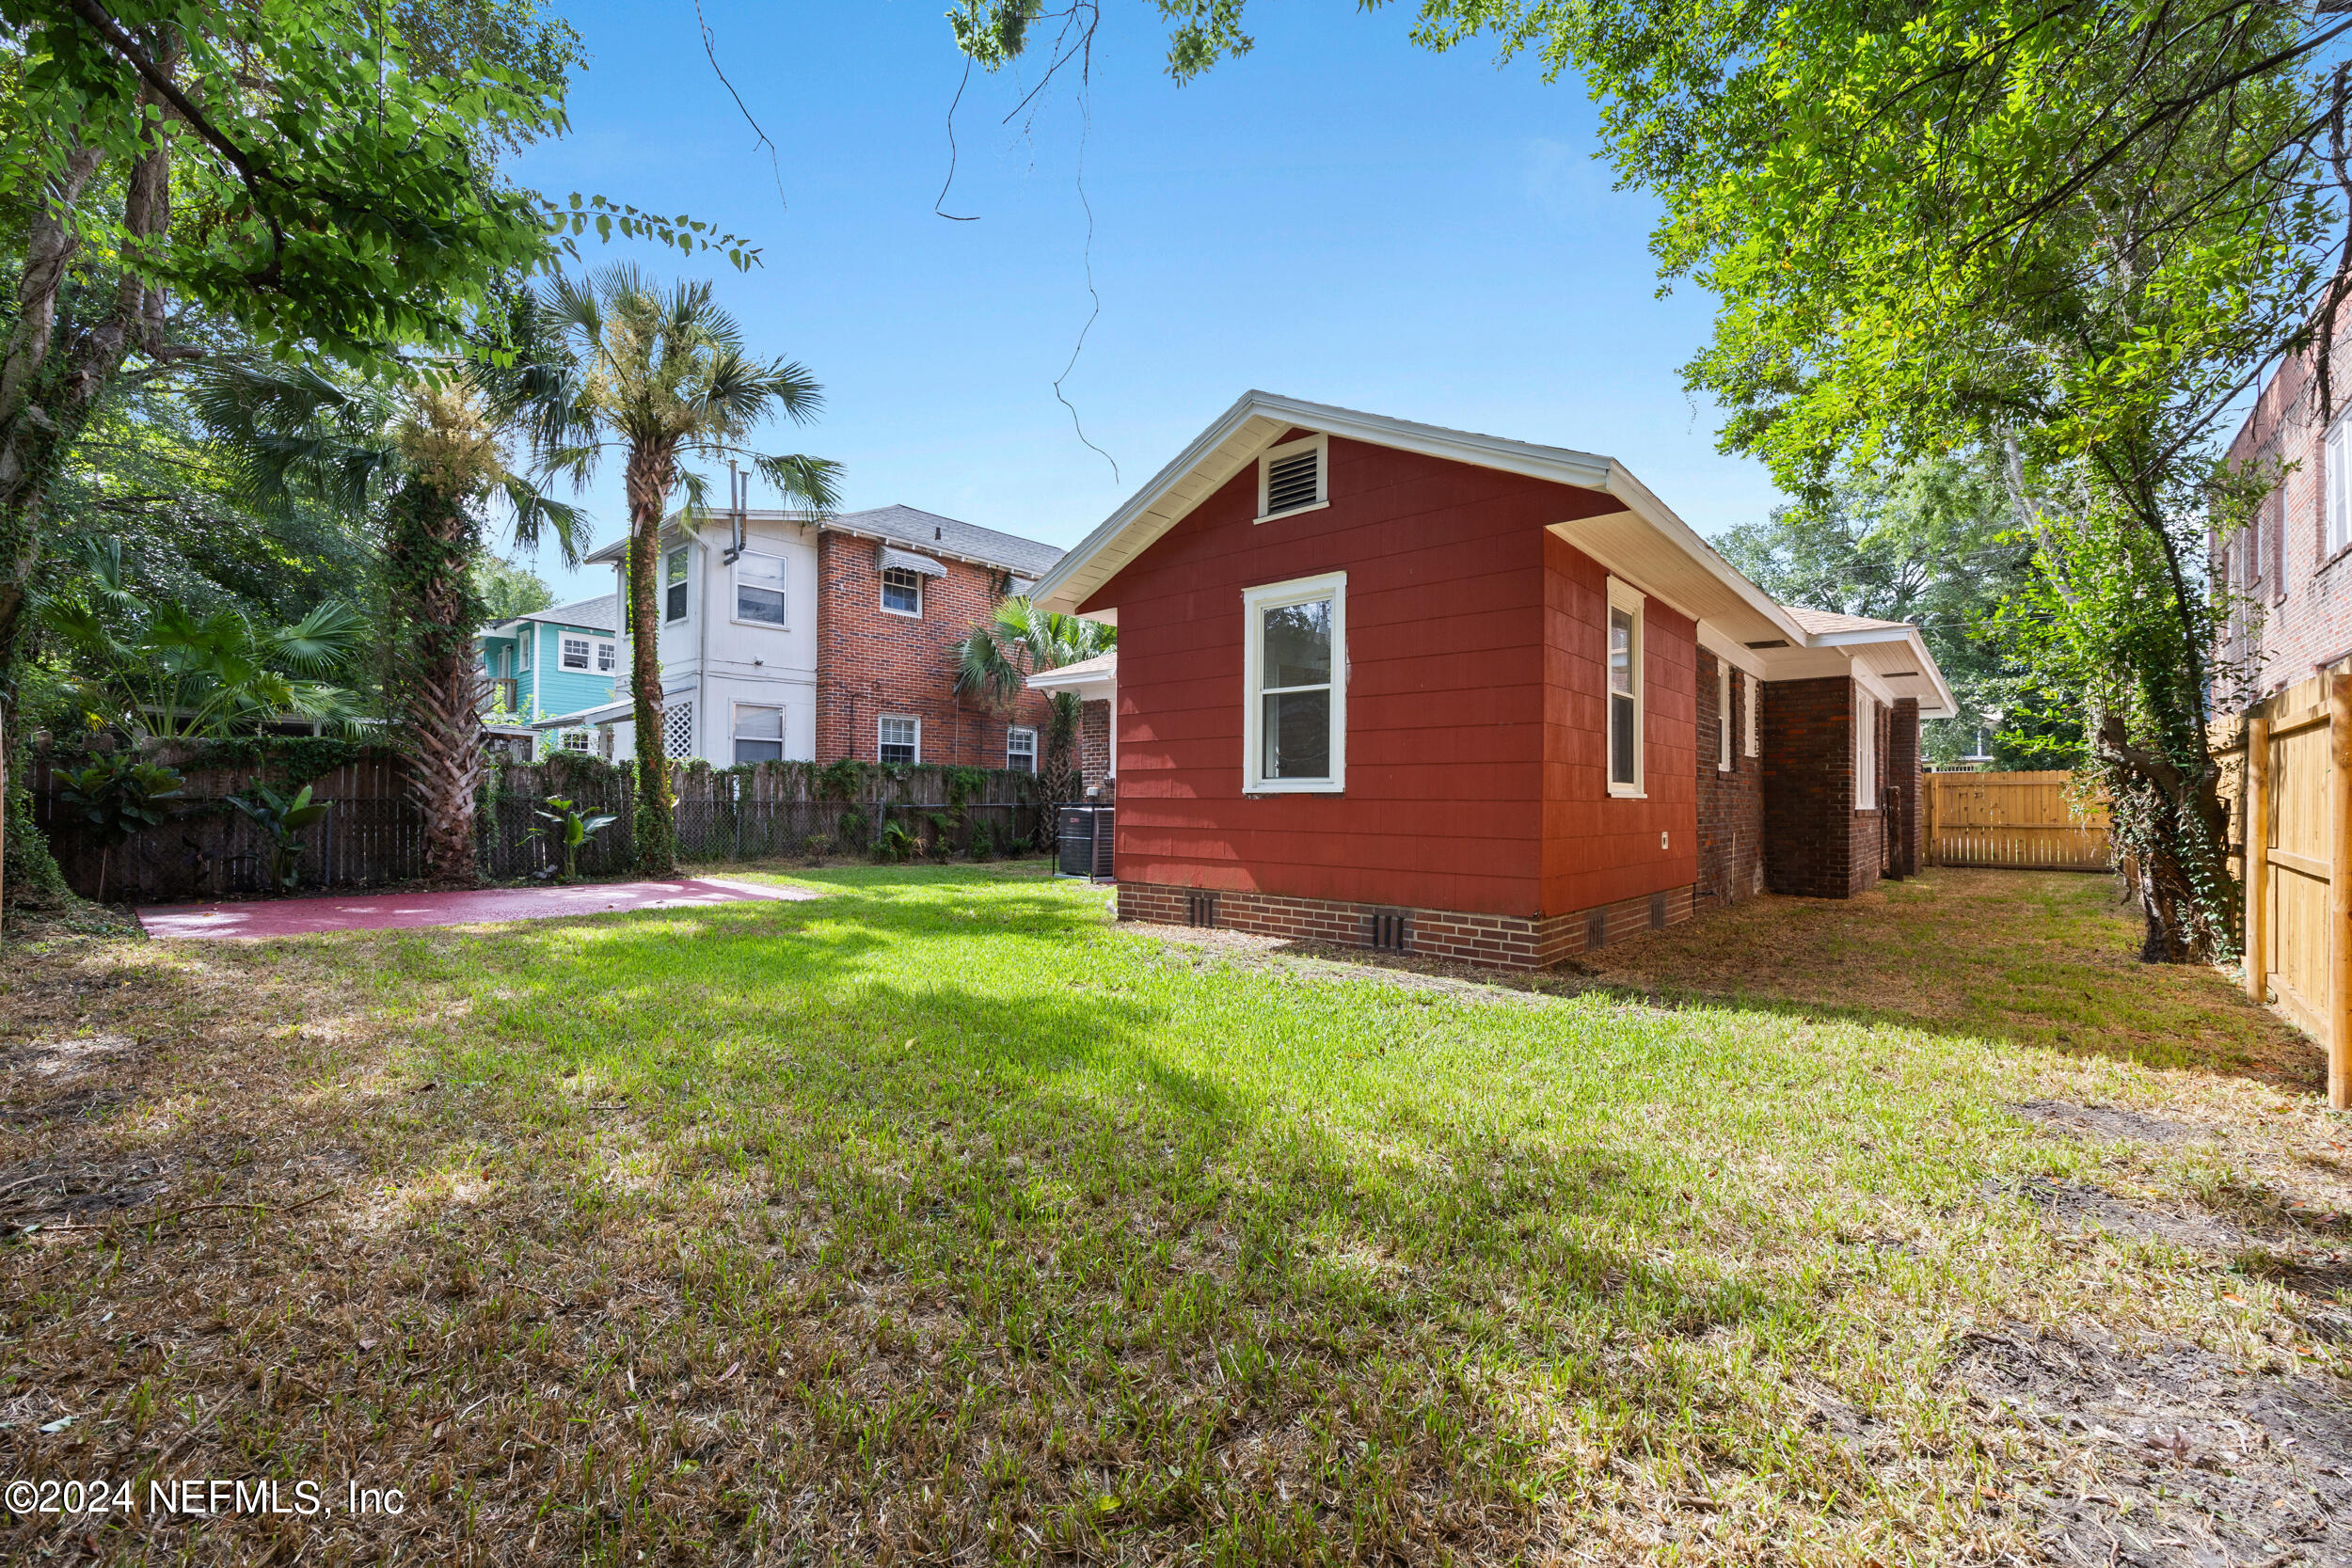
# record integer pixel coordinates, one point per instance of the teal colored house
(556, 660)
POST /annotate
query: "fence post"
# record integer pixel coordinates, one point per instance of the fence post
(2340, 893)
(2256, 861)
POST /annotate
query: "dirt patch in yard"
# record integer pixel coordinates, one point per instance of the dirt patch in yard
(2100, 1121)
(2167, 1456)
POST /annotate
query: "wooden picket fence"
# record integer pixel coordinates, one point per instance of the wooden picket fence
(2287, 774)
(2021, 821)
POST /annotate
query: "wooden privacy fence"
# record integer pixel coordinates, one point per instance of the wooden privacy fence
(2023, 821)
(2288, 777)
(373, 834)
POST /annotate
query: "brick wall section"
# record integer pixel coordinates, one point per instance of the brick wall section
(1497, 940)
(2300, 618)
(1731, 804)
(870, 662)
(1902, 774)
(1810, 827)
(1094, 743)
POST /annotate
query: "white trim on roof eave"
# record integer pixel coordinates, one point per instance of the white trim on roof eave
(1639, 499)
(1947, 706)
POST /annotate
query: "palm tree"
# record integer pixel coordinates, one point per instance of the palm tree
(156, 669)
(427, 455)
(660, 376)
(999, 655)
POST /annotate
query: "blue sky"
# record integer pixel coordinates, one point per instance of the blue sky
(1339, 215)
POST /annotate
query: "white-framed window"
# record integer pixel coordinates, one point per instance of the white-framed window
(608, 655)
(1723, 717)
(758, 734)
(1295, 675)
(575, 653)
(1866, 750)
(576, 740)
(1752, 690)
(674, 581)
(1295, 477)
(1625, 698)
(760, 588)
(898, 738)
(1020, 749)
(2339, 460)
(902, 591)
(522, 648)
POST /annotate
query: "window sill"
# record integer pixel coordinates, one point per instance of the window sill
(904, 614)
(1628, 792)
(762, 625)
(1291, 511)
(1261, 788)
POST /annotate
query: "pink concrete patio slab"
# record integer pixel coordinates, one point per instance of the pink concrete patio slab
(385, 911)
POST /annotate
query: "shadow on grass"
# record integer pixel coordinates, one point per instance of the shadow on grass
(1010, 1217)
(2045, 960)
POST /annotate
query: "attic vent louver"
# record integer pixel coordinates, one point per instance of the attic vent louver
(1294, 481)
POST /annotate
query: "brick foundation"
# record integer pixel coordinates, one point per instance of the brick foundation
(1500, 941)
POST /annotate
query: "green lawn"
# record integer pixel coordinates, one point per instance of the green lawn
(939, 1219)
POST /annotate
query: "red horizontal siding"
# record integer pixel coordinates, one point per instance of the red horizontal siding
(1474, 701)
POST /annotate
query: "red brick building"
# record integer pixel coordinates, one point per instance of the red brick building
(1384, 683)
(2289, 569)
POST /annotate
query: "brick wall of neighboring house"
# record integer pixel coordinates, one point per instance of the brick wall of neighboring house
(2296, 611)
(1731, 802)
(1495, 941)
(870, 662)
(1094, 743)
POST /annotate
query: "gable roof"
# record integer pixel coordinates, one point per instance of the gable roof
(1829, 622)
(596, 614)
(904, 526)
(1641, 542)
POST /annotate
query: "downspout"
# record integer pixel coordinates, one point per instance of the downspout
(702, 662)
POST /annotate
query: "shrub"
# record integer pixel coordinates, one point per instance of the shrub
(1019, 848)
(852, 829)
(983, 845)
(815, 847)
(896, 842)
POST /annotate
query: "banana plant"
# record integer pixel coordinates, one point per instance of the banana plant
(114, 798)
(281, 816)
(572, 828)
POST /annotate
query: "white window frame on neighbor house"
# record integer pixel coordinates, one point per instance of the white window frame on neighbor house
(677, 578)
(1255, 602)
(1321, 446)
(608, 655)
(1020, 749)
(2339, 460)
(1866, 750)
(522, 648)
(1754, 694)
(778, 587)
(738, 737)
(915, 728)
(911, 575)
(1723, 717)
(1628, 601)
(565, 644)
(576, 740)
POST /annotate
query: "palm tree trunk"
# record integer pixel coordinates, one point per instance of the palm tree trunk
(430, 543)
(648, 479)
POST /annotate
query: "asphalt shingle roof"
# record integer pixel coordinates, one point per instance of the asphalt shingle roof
(597, 614)
(1821, 622)
(914, 528)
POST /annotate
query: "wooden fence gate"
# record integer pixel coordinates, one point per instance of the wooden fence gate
(2021, 821)
(2288, 778)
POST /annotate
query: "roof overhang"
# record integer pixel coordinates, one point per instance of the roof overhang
(1642, 541)
(1094, 680)
(1891, 661)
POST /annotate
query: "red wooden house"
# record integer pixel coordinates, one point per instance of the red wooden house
(1384, 683)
